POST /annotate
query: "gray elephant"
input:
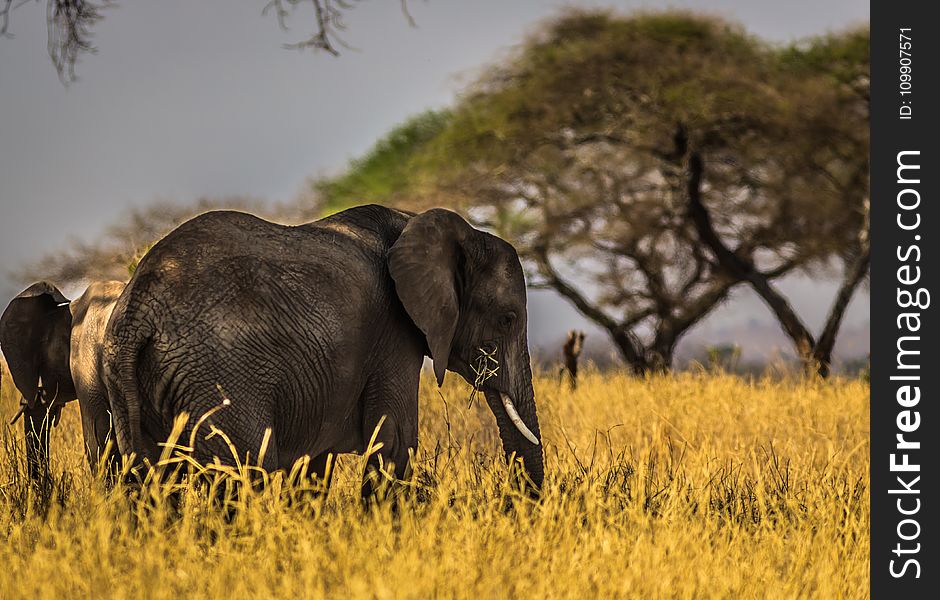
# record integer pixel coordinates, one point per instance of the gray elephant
(53, 348)
(318, 333)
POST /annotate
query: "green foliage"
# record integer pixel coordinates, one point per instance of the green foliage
(135, 260)
(601, 72)
(724, 357)
(384, 171)
(576, 148)
(845, 56)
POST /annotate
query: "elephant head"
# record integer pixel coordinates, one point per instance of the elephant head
(466, 292)
(35, 332)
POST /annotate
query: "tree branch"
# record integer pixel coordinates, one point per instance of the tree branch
(5, 17)
(328, 19)
(696, 311)
(567, 290)
(741, 268)
(626, 343)
(854, 274)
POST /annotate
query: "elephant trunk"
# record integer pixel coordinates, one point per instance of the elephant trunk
(519, 432)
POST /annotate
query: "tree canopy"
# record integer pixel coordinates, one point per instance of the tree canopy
(643, 166)
(385, 170)
(628, 158)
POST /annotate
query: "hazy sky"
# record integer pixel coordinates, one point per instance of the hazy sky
(189, 99)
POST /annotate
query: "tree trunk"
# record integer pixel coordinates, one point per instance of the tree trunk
(855, 273)
(792, 324)
(633, 356)
(661, 356)
(816, 355)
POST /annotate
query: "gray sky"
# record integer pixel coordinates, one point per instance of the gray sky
(189, 99)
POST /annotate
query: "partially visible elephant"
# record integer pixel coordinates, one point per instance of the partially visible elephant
(53, 348)
(318, 333)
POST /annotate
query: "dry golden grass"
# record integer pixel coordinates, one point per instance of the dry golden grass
(689, 486)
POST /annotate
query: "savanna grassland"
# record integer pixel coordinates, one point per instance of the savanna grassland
(684, 486)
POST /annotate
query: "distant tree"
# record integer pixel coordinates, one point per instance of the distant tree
(70, 26)
(115, 252)
(600, 145)
(724, 357)
(643, 166)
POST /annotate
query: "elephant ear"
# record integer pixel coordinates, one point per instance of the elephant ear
(24, 329)
(425, 263)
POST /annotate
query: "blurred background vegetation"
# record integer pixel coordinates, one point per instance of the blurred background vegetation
(644, 165)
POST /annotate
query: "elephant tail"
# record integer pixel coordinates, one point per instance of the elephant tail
(127, 416)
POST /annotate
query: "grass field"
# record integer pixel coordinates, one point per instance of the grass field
(687, 486)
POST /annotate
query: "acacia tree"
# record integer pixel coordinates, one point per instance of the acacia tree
(650, 164)
(834, 152)
(644, 167)
(600, 144)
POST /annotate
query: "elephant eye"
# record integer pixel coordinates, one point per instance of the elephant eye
(506, 320)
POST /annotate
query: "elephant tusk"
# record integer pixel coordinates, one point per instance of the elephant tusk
(517, 420)
(19, 413)
(54, 396)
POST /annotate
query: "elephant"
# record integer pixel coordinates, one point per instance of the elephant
(53, 348)
(302, 342)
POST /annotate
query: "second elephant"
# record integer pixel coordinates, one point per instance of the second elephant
(53, 348)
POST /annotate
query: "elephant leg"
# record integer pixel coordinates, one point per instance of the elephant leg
(322, 467)
(391, 417)
(150, 451)
(98, 436)
(144, 460)
(390, 463)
